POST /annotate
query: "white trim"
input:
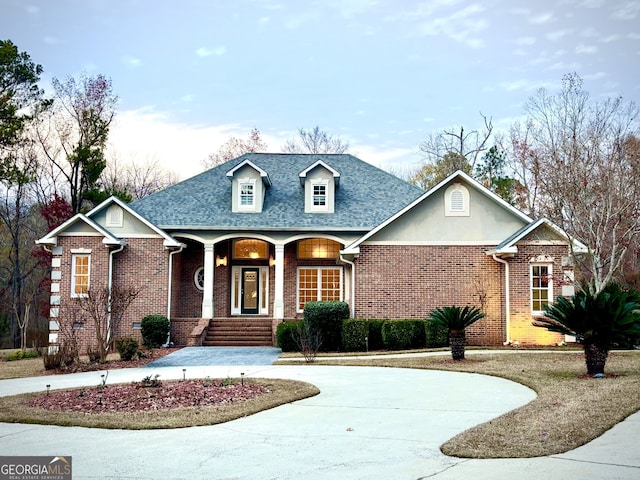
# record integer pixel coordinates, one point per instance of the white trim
(578, 246)
(262, 289)
(451, 210)
(319, 182)
(263, 174)
(80, 250)
(50, 238)
(195, 279)
(549, 265)
(245, 207)
(74, 256)
(319, 285)
(334, 172)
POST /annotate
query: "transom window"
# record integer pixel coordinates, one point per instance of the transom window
(251, 248)
(319, 284)
(541, 287)
(318, 248)
(80, 268)
(246, 195)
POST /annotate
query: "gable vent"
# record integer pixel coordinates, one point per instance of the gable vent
(457, 201)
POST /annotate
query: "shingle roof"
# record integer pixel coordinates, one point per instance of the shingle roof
(366, 197)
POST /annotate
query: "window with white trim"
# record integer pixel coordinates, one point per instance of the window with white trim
(541, 287)
(247, 199)
(198, 278)
(317, 284)
(80, 274)
(319, 195)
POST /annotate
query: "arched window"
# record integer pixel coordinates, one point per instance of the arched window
(318, 248)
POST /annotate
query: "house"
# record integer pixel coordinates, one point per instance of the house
(232, 252)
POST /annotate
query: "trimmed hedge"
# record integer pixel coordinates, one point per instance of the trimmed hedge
(436, 336)
(155, 330)
(286, 334)
(403, 334)
(375, 334)
(355, 333)
(326, 318)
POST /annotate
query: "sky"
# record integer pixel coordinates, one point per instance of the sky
(381, 74)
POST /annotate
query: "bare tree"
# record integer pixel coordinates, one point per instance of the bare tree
(105, 308)
(74, 137)
(136, 179)
(315, 140)
(465, 145)
(234, 147)
(583, 165)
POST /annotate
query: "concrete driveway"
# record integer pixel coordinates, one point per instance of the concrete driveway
(368, 423)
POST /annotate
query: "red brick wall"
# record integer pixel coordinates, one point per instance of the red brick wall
(520, 277)
(146, 257)
(409, 281)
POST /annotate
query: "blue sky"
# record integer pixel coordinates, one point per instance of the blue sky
(382, 74)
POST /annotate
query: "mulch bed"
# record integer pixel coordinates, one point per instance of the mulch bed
(149, 355)
(148, 395)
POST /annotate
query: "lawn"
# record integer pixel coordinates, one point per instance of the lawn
(570, 409)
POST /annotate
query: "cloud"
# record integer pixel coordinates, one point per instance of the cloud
(521, 84)
(525, 41)
(49, 40)
(132, 62)
(628, 10)
(217, 51)
(557, 35)
(32, 10)
(588, 49)
(542, 18)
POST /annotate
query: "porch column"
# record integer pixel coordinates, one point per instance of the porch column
(278, 301)
(207, 294)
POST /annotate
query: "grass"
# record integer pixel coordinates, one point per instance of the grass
(15, 409)
(570, 409)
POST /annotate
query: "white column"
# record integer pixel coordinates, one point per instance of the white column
(278, 301)
(207, 294)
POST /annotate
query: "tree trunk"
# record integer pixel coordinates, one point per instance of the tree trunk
(595, 358)
(457, 342)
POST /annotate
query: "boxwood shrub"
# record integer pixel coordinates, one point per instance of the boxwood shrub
(127, 348)
(326, 318)
(436, 336)
(355, 333)
(286, 334)
(155, 330)
(403, 334)
(375, 334)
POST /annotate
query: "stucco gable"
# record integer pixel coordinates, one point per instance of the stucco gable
(80, 225)
(487, 221)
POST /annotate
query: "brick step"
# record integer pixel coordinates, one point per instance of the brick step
(234, 332)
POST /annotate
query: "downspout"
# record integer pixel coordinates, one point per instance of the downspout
(507, 319)
(110, 287)
(353, 284)
(171, 254)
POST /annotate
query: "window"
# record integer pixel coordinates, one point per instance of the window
(252, 249)
(198, 278)
(319, 195)
(318, 248)
(80, 270)
(246, 195)
(541, 287)
(319, 284)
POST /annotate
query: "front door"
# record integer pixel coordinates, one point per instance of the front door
(250, 293)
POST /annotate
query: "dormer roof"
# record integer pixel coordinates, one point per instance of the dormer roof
(320, 163)
(263, 174)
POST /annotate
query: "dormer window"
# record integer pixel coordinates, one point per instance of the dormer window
(320, 182)
(249, 185)
(246, 195)
(456, 201)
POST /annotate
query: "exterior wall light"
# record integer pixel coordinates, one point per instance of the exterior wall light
(221, 261)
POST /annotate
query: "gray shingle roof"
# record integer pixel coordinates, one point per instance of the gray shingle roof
(366, 197)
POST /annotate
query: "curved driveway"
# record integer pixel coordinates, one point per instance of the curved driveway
(369, 423)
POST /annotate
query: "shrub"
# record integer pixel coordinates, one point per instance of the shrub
(20, 354)
(286, 335)
(355, 334)
(456, 319)
(375, 334)
(436, 336)
(403, 334)
(155, 330)
(325, 319)
(127, 348)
